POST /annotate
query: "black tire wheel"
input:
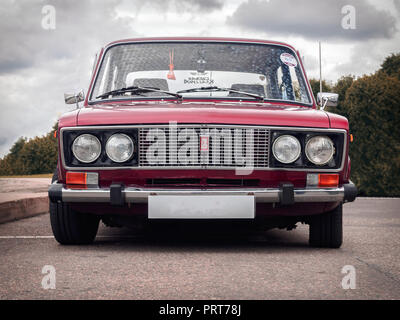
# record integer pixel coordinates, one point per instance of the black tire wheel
(326, 230)
(69, 226)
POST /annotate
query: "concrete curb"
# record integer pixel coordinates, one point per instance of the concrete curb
(23, 208)
(23, 197)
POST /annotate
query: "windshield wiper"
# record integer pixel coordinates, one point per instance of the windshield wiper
(218, 89)
(138, 91)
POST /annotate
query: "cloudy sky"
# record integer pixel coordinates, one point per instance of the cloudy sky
(38, 63)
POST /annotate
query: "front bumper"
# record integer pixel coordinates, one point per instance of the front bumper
(286, 194)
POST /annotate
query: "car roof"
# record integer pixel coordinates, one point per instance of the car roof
(195, 39)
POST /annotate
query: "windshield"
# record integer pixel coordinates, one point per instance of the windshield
(270, 71)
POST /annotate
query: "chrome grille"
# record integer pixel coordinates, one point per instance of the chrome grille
(184, 146)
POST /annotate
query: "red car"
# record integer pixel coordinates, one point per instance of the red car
(200, 129)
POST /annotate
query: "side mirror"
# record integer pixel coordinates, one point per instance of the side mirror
(327, 99)
(71, 98)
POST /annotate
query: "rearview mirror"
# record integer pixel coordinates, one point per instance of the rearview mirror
(71, 98)
(327, 99)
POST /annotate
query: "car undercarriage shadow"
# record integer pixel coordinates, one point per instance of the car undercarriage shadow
(203, 237)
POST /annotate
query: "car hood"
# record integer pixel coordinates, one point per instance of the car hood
(192, 112)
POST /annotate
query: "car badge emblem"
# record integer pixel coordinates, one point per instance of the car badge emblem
(204, 143)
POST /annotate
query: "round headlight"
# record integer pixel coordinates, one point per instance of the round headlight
(319, 150)
(119, 147)
(86, 148)
(286, 149)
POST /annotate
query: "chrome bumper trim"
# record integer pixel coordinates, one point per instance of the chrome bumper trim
(135, 195)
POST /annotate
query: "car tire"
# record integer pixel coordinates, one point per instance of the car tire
(326, 230)
(71, 227)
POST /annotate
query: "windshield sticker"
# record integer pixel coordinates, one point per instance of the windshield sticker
(288, 59)
(199, 78)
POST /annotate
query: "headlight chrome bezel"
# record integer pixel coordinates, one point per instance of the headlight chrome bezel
(297, 154)
(80, 159)
(111, 157)
(68, 135)
(336, 162)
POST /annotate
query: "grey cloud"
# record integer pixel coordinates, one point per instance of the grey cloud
(314, 19)
(3, 141)
(182, 6)
(361, 63)
(310, 62)
(202, 5)
(5, 144)
(397, 6)
(79, 24)
(11, 63)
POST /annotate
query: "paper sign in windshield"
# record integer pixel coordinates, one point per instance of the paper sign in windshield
(199, 79)
(288, 59)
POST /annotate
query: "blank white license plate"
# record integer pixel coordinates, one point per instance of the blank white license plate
(201, 207)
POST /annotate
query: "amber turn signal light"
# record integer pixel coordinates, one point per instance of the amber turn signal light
(328, 180)
(76, 177)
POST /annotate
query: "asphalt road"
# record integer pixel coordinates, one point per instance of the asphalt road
(275, 265)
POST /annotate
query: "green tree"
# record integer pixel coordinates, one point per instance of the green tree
(14, 163)
(17, 146)
(341, 87)
(5, 168)
(373, 104)
(39, 155)
(391, 65)
(315, 87)
(36, 155)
